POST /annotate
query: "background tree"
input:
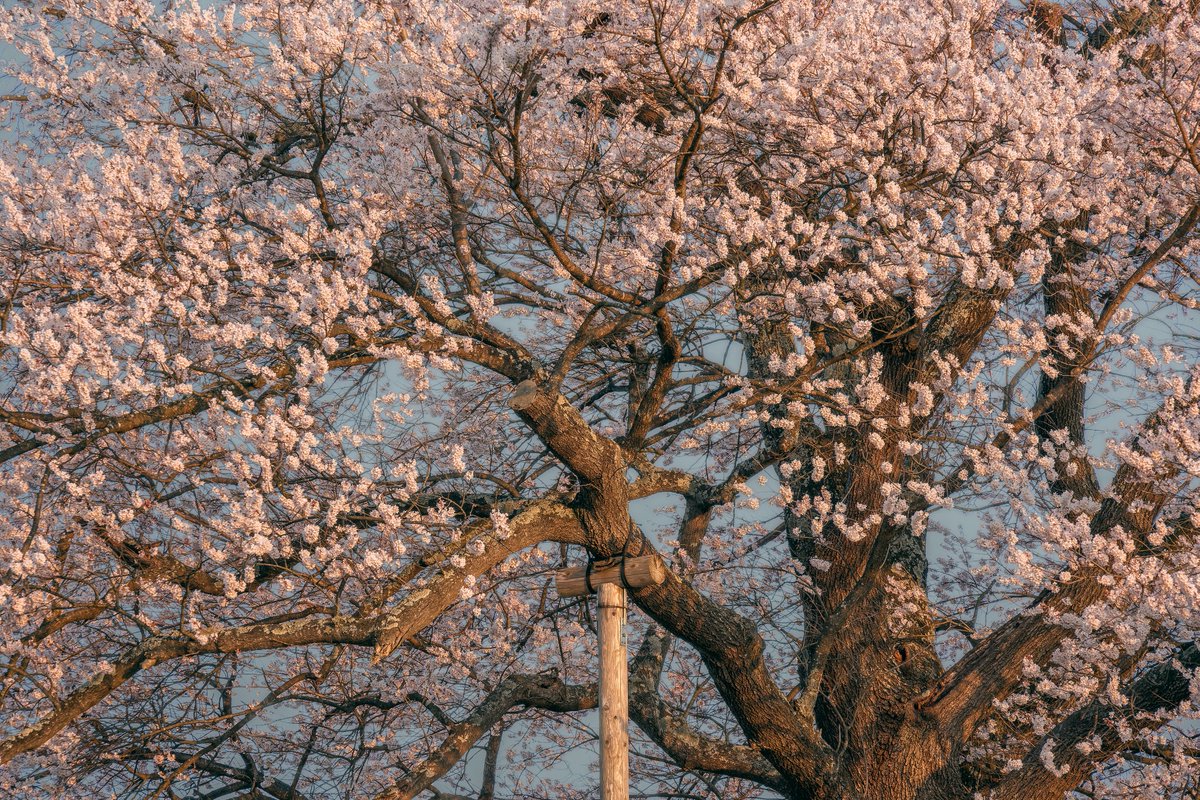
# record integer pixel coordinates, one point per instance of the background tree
(329, 330)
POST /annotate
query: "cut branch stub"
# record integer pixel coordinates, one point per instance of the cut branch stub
(637, 572)
(523, 396)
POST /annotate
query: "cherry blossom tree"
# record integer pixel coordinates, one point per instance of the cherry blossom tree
(330, 331)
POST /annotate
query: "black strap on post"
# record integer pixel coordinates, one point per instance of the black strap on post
(587, 575)
(590, 567)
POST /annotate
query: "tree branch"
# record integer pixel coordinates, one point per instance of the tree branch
(385, 630)
(964, 695)
(1098, 727)
(535, 691)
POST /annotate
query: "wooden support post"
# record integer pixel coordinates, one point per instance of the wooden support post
(633, 573)
(614, 694)
(609, 579)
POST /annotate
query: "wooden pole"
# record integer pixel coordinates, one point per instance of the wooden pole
(609, 579)
(614, 694)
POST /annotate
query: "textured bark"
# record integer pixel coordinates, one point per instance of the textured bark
(1061, 392)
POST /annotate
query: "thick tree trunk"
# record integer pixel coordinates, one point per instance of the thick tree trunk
(873, 667)
(867, 624)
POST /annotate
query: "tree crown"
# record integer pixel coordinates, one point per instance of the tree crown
(330, 330)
